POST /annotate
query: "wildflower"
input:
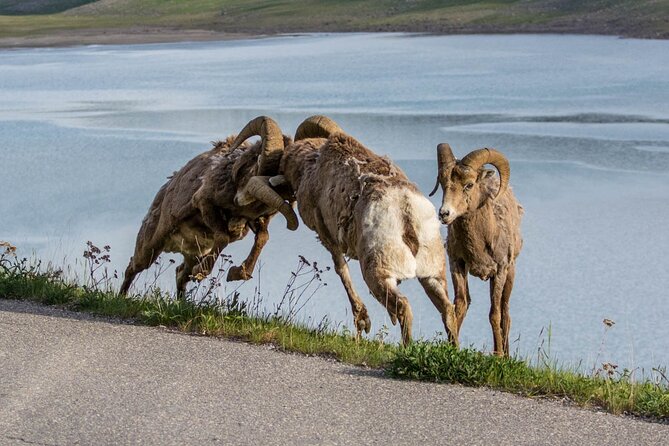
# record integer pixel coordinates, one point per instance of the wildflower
(609, 368)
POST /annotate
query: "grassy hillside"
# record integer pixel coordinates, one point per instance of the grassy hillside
(642, 18)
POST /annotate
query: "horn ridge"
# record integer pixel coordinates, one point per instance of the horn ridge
(272, 142)
(259, 187)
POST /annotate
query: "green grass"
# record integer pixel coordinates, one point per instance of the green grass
(434, 361)
(626, 17)
(617, 393)
(24, 280)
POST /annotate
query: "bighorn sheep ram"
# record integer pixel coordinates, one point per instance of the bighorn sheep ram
(194, 213)
(362, 206)
(483, 219)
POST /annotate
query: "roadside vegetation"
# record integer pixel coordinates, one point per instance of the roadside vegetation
(636, 18)
(206, 312)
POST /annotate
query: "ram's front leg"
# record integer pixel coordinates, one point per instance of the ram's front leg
(437, 290)
(244, 271)
(462, 298)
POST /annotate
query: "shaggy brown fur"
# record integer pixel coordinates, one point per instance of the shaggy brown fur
(364, 207)
(483, 240)
(329, 187)
(194, 214)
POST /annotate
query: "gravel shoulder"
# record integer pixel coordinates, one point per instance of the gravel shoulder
(69, 378)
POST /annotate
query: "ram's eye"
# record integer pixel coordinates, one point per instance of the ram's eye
(469, 186)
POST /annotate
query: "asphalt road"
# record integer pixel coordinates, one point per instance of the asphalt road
(68, 378)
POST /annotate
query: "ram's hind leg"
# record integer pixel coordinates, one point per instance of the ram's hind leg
(360, 316)
(384, 288)
(244, 271)
(437, 290)
(506, 316)
(130, 273)
(142, 259)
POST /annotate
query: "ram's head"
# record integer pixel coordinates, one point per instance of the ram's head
(263, 178)
(466, 183)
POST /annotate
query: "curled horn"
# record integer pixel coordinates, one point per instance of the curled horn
(317, 126)
(259, 187)
(272, 143)
(480, 157)
(445, 162)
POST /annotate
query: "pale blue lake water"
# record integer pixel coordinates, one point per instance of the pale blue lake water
(88, 135)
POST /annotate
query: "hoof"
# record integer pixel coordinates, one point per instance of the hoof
(237, 273)
(363, 323)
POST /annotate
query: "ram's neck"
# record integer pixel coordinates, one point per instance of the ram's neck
(298, 159)
(480, 221)
(475, 232)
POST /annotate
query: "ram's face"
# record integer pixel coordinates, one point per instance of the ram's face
(462, 191)
(463, 181)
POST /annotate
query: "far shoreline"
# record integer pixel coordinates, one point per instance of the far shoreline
(138, 36)
(146, 35)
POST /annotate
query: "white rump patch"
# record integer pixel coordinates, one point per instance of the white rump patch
(383, 232)
(431, 256)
